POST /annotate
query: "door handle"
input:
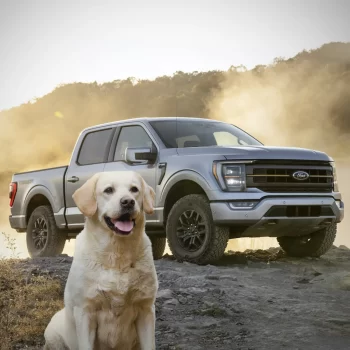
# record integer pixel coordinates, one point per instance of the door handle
(73, 179)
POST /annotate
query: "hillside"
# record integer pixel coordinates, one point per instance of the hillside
(308, 92)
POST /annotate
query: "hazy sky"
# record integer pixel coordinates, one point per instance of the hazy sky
(45, 43)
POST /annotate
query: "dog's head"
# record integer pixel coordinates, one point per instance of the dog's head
(117, 199)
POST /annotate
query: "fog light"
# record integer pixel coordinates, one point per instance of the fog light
(243, 205)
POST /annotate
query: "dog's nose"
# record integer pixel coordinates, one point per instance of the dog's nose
(127, 202)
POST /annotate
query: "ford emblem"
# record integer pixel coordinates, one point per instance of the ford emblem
(301, 175)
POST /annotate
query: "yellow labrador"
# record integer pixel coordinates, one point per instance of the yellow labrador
(112, 284)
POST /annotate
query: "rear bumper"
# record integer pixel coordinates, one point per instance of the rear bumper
(18, 222)
(260, 222)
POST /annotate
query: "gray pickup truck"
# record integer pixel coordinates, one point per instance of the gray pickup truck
(213, 182)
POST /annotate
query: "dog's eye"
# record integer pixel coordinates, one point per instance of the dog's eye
(134, 189)
(108, 190)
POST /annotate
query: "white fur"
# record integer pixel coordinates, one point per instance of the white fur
(112, 284)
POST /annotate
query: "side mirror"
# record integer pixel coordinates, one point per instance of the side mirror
(140, 155)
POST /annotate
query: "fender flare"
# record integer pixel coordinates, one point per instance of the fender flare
(39, 190)
(182, 175)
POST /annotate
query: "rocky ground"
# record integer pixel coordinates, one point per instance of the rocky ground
(252, 300)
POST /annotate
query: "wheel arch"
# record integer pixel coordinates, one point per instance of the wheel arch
(179, 189)
(37, 197)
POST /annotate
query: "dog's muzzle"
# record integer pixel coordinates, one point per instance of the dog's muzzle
(123, 225)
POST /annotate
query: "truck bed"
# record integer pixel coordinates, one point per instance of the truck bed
(32, 184)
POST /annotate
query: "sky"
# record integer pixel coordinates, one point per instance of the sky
(45, 43)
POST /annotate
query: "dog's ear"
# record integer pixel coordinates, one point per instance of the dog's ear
(148, 198)
(85, 197)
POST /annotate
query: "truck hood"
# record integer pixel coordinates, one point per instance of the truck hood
(256, 152)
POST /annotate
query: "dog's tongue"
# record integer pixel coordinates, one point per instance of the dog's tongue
(125, 226)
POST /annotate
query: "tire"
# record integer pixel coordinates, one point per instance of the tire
(158, 247)
(206, 243)
(314, 245)
(52, 240)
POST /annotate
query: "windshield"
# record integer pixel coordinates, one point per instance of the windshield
(201, 133)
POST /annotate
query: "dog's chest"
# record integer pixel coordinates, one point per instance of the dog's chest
(115, 290)
(116, 301)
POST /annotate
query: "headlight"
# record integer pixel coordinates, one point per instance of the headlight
(231, 177)
(335, 179)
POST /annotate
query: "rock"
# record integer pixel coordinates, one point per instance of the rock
(344, 283)
(182, 299)
(195, 290)
(209, 324)
(303, 280)
(171, 302)
(209, 304)
(164, 294)
(310, 271)
(189, 318)
(212, 277)
(167, 310)
(339, 321)
(228, 277)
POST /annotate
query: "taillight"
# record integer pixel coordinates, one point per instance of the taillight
(12, 192)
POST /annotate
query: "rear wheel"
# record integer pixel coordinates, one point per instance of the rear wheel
(44, 239)
(158, 247)
(313, 245)
(192, 235)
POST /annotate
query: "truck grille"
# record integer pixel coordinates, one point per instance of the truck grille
(279, 178)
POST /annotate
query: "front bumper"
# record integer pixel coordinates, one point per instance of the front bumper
(259, 222)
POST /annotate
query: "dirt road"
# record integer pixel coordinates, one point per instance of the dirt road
(259, 300)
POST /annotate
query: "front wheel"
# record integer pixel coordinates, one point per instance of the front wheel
(192, 235)
(44, 239)
(313, 245)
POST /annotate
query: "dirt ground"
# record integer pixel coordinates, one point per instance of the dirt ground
(252, 300)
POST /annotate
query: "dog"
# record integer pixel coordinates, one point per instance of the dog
(111, 289)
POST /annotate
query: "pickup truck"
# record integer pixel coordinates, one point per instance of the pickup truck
(213, 182)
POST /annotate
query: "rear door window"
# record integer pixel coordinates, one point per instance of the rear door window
(94, 147)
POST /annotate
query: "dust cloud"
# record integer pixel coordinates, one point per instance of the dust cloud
(42, 135)
(295, 107)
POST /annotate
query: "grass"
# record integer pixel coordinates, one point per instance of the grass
(26, 304)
